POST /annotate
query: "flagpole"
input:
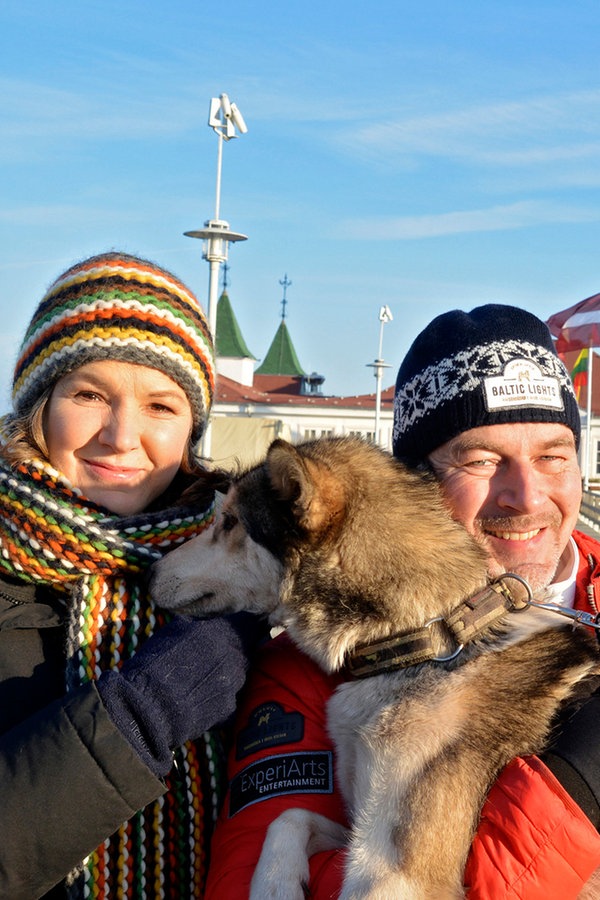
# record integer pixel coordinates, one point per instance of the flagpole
(588, 442)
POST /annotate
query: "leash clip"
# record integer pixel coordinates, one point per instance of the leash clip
(577, 616)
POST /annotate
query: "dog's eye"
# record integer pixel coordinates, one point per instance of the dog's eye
(228, 522)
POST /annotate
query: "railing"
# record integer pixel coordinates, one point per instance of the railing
(590, 510)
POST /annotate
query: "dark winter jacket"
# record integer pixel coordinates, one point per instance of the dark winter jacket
(56, 752)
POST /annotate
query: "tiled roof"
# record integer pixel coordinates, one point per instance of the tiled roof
(230, 342)
(281, 357)
(262, 391)
(279, 380)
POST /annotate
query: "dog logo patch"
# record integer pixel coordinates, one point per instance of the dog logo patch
(522, 384)
(269, 726)
(309, 772)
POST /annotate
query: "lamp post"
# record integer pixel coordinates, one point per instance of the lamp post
(385, 315)
(224, 118)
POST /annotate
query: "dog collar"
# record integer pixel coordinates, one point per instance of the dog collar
(469, 620)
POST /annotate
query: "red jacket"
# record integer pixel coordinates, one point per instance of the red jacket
(533, 842)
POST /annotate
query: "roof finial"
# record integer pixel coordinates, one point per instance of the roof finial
(285, 283)
(225, 270)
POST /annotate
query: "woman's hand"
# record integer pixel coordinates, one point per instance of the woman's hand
(182, 681)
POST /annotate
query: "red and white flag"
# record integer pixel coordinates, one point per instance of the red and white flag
(578, 326)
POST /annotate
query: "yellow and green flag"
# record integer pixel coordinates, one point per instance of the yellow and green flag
(579, 373)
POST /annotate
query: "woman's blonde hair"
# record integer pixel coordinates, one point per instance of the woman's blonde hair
(23, 436)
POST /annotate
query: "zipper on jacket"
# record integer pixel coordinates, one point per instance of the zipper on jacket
(12, 600)
(591, 588)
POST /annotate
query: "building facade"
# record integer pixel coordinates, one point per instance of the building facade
(278, 399)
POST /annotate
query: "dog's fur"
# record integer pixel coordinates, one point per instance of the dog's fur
(343, 545)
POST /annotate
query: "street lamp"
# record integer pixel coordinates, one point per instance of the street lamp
(224, 118)
(385, 315)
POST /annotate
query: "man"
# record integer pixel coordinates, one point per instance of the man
(483, 401)
(497, 421)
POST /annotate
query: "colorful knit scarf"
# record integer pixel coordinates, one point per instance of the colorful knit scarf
(50, 535)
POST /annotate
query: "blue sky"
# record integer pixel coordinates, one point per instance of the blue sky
(424, 155)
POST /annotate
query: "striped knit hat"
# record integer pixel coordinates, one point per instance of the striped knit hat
(496, 364)
(118, 307)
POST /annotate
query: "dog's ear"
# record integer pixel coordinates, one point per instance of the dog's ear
(311, 490)
(202, 489)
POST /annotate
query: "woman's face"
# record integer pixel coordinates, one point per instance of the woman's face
(119, 432)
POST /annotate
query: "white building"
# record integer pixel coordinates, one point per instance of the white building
(278, 399)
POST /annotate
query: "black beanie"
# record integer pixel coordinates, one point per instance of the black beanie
(494, 365)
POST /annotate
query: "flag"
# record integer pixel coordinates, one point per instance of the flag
(579, 373)
(578, 326)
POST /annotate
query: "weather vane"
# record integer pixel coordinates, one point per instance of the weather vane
(285, 283)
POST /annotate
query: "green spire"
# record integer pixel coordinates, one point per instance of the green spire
(229, 341)
(281, 357)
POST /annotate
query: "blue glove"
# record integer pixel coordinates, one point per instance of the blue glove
(180, 683)
(574, 758)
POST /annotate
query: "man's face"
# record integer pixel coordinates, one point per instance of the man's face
(517, 490)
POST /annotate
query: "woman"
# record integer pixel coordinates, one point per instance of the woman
(111, 392)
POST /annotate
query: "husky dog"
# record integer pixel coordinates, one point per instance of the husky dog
(359, 559)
